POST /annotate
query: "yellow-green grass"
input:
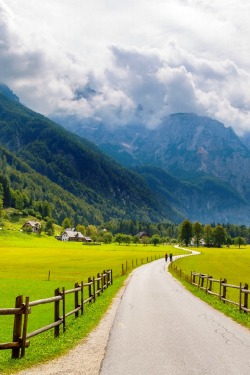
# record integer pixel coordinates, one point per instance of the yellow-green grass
(232, 264)
(27, 261)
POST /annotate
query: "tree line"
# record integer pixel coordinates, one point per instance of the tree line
(188, 233)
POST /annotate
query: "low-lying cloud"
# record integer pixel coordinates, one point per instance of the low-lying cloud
(134, 85)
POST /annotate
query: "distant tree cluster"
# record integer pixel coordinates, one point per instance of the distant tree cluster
(213, 235)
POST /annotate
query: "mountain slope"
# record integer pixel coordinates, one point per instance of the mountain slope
(208, 160)
(75, 164)
(38, 189)
(205, 199)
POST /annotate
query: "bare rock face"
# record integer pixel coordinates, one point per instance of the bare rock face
(188, 144)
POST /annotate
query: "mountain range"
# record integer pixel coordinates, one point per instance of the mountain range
(198, 165)
(189, 167)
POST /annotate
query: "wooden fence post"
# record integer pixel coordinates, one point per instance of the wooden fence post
(94, 288)
(98, 284)
(25, 326)
(246, 298)
(199, 281)
(57, 313)
(220, 292)
(102, 283)
(202, 282)
(207, 283)
(106, 277)
(224, 295)
(240, 300)
(111, 276)
(76, 300)
(64, 309)
(210, 283)
(90, 295)
(17, 328)
(82, 298)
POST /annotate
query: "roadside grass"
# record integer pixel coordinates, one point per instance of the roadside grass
(27, 260)
(232, 264)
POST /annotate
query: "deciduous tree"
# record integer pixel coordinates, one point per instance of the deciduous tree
(186, 232)
(240, 241)
(197, 232)
(208, 235)
(219, 235)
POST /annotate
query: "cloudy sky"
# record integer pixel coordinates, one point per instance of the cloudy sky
(129, 61)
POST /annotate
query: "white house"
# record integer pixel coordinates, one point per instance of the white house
(71, 235)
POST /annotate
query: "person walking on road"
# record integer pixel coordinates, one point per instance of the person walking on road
(166, 257)
(171, 257)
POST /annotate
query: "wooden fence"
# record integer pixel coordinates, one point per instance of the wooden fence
(217, 287)
(138, 262)
(95, 286)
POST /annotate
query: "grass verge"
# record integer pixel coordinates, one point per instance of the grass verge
(230, 310)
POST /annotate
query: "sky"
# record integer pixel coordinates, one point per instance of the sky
(129, 62)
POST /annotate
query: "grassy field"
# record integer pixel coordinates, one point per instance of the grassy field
(232, 264)
(25, 263)
(27, 259)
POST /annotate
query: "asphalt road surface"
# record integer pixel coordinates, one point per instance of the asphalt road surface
(162, 329)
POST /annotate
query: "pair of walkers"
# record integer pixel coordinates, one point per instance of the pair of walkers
(170, 257)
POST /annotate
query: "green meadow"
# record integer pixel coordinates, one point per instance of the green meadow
(232, 264)
(34, 266)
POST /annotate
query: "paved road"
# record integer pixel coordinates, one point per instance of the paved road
(162, 329)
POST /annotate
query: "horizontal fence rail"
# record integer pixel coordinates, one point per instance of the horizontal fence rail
(83, 293)
(217, 287)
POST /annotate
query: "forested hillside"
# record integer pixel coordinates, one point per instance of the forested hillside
(45, 162)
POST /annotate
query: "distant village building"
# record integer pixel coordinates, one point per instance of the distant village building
(143, 235)
(34, 226)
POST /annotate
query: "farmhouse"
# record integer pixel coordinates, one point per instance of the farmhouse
(34, 226)
(143, 235)
(72, 235)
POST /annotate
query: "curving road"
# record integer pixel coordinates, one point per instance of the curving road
(162, 329)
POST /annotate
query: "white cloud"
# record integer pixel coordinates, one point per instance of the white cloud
(140, 60)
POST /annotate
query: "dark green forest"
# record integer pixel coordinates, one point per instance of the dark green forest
(46, 163)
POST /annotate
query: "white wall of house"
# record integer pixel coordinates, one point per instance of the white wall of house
(65, 237)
